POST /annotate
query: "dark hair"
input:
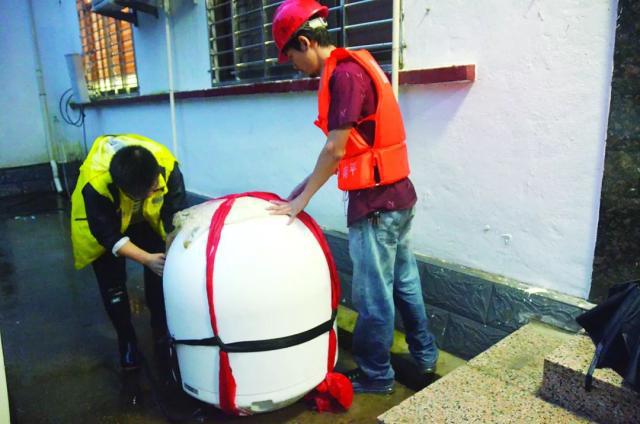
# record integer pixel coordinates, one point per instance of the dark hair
(319, 34)
(134, 170)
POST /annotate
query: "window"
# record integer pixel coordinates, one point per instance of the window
(242, 49)
(108, 54)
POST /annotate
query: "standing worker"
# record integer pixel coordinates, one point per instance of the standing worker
(366, 146)
(122, 207)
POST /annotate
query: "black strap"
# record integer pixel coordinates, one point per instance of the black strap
(262, 345)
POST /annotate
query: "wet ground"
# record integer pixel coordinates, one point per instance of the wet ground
(60, 349)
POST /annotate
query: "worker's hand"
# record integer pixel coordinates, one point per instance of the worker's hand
(155, 262)
(292, 208)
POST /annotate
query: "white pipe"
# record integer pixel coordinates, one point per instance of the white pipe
(172, 103)
(395, 45)
(64, 174)
(42, 94)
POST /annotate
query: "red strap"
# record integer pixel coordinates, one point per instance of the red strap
(226, 381)
(317, 232)
(333, 344)
(334, 394)
(335, 281)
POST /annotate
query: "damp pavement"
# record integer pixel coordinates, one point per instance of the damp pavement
(60, 350)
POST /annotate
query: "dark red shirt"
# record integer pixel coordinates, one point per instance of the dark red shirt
(353, 97)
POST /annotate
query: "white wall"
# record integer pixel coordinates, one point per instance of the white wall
(22, 136)
(507, 169)
(190, 49)
(22, 140)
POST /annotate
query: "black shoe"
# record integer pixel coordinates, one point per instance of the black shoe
(129, 356)
(363, 384)
(131, 393)
(421, 367)
(426, 369)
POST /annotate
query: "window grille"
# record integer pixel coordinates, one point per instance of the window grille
(108, 53)
(242, 48)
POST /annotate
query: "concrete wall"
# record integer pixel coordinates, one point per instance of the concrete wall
(22, 139)
(22, 134)
(507, 169)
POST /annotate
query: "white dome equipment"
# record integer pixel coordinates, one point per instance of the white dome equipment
(251, 304)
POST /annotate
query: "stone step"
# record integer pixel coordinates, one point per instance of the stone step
(564, 375)
(498, 386)
(470, 396)
(4, 396)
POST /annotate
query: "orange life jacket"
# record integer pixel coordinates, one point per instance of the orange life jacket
(388, 154)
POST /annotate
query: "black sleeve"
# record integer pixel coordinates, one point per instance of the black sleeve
(103, 219)
(175, 200)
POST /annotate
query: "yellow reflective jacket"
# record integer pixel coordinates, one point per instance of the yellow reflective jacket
(95, 171)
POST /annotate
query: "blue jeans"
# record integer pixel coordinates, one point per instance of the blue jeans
(385, 273)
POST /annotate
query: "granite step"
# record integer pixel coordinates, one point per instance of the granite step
(498, 386)
(564, 374)
(4, 396)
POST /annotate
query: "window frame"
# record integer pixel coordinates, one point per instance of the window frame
(267, 66)
(108, 54)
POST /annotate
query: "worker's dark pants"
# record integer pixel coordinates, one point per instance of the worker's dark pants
(112, 277)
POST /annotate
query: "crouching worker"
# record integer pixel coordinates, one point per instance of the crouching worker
(122, 207)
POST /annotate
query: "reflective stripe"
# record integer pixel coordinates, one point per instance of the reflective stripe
(124, 240)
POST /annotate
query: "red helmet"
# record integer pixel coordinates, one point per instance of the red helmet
(289, 17)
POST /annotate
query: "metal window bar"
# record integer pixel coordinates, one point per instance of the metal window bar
(263, 17)
(378, 46)
(359, 3)
(215, 74)
(110, 74)
(368, 24)
(342, 16)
